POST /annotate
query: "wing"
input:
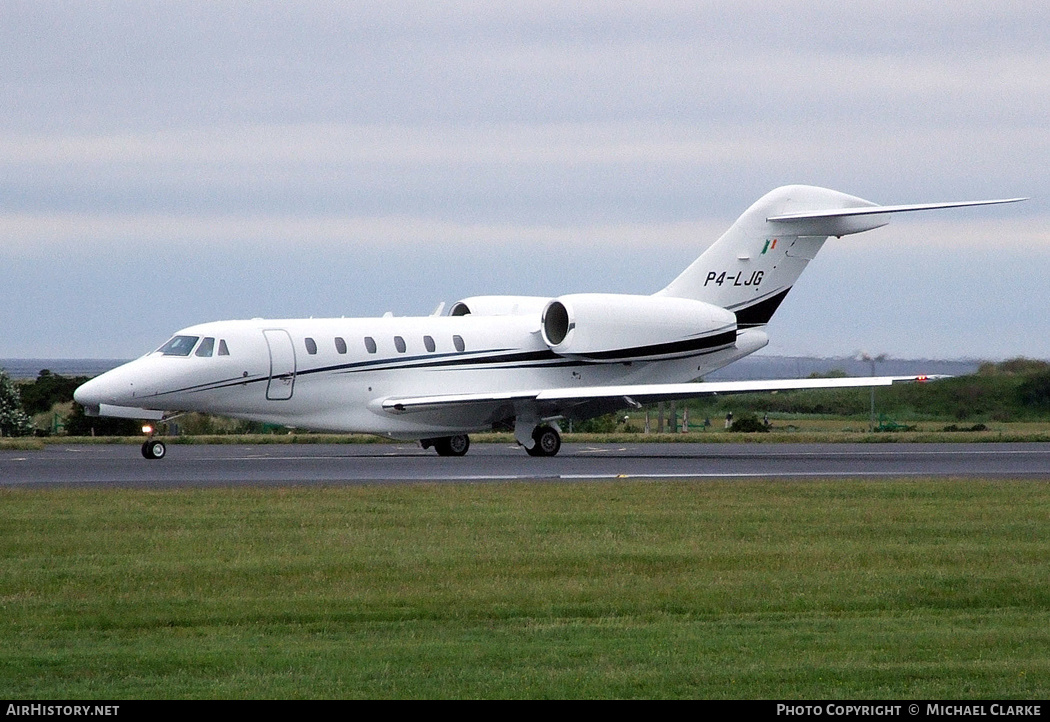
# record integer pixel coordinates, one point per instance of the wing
(588, 401)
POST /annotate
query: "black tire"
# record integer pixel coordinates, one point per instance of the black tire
(452, 445)
(154, 449)
(548, 441)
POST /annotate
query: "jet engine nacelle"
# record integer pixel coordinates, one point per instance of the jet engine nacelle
(499, 306)
(617, 328)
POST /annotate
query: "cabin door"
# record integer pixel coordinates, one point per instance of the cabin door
(282, 365)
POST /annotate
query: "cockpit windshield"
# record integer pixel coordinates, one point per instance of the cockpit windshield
(207, 347)
(179, 346)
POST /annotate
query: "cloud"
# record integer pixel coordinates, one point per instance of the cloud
(256, 157)
(41, 235)
(157, 65)
(622, 171)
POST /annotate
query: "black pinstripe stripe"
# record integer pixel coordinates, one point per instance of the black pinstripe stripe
(499, 358)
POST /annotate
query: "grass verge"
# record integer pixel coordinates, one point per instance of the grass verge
(901, 588)
(797, 432)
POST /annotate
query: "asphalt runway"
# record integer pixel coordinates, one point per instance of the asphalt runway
(283, 464)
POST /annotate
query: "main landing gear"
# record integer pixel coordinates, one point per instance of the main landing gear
(548, 441)
(448, 445)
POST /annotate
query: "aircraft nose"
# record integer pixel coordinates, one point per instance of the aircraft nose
(89, 394)
(116, 387)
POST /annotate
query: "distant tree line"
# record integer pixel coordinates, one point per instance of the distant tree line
(47, 390)
(20, 402)
(1014, 390)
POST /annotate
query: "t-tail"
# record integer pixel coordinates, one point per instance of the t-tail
(751, 268)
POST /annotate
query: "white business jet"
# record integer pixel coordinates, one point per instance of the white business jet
(519, 362)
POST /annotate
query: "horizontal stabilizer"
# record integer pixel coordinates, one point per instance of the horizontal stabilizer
(875, 210)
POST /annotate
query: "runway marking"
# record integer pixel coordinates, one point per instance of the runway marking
(898, 449)
(773, 474)
(711, 450)
(713, 475)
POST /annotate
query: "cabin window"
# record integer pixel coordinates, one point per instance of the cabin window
(207, 348)
(429, 343)
(179, 346)
(458, 341)
(223, 351)
(311, 346)
(370, 344)
(340, 345)
(399, 344)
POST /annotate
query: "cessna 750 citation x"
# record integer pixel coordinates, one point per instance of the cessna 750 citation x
(518, 362)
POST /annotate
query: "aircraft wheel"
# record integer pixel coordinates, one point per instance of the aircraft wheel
(154, 449)
(452, 445)
(548, 441)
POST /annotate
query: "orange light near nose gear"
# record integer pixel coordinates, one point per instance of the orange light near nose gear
(147, 429)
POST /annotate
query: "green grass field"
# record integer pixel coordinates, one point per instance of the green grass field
(897, 588)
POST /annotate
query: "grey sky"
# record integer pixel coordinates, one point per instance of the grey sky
(163, 164)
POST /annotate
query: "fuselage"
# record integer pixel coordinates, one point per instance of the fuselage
(334, 374)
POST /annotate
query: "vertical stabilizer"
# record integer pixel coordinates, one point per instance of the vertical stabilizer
(751, 268)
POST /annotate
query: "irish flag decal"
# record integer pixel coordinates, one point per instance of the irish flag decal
(770, 245)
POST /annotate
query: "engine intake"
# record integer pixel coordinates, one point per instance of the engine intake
(556, 324)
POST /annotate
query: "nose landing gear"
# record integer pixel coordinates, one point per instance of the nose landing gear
(152, 448)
